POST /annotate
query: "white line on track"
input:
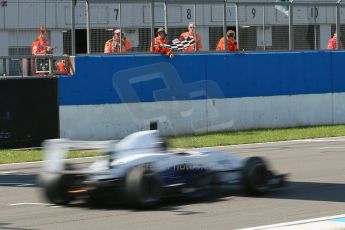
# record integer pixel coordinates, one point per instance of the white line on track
(25, 185)
(16, 173)
(16, 184)
(8, 172)
(273, 226)
(332, 147)
(29, 203)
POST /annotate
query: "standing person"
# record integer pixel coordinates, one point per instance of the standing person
(231, 43)
(41, 45)
(332, 43)
(160, 40)
(191, 34)
(118, 40)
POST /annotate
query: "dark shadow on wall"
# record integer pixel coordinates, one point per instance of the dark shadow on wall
(28, 111)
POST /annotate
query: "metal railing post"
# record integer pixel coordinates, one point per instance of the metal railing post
(18, 24)
(315, 31)
(50, 65)
(45, 13)
(4, 67)
(195, 46)
(166, 17)
(73, 2)
(263, 28)
(237, 27)
(338, 24)
(120, 26)
(291, 33)
(224, 26)
(88, 36)
(152, 22)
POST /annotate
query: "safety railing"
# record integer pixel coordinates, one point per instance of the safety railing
(38, 65)
(84, 26)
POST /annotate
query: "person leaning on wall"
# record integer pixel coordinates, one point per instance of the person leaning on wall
(161, 39)
(231, 43)
(190, 34)
(332, 43)
(118, 40)
(63, 66)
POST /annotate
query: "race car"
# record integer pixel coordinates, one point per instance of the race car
(140, 171)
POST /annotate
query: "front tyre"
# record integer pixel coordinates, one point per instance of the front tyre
(143, 188)
(255, 176)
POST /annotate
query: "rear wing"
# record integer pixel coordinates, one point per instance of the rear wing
(55, 151)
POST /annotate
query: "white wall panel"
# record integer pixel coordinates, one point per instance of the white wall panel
(56, 14)
(174, 14)
(4, 43)
(339, 108)
(217, 13)
(186, 117)
(282, 18)
(99, 15)
(21, 38)
(273, 112)
(57, 41)
(2, 18)
(11, 15)
(254, 14)
(112, 121)
(3, 47)
(300, 14)
(31, 15)
(317, 14)
(330, 15)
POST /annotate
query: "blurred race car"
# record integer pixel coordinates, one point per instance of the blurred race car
(141, 172)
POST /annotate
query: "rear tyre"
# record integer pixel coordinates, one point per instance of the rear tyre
(256, 176)
(55, 187)
(143, 188)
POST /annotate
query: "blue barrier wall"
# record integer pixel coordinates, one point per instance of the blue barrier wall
(147, 78)
(338, 74)
(248, 91)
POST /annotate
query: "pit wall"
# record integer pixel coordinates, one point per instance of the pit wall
(112, 96)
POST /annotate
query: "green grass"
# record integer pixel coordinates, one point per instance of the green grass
(205, 140)
(255, 136)
(27, 155)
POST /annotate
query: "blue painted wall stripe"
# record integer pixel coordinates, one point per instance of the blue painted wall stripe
(148, 78)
